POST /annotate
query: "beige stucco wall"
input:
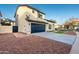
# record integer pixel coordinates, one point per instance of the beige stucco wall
(21, 21)
(22, 9)
(5, 29)
(52, 26)
(23, 25)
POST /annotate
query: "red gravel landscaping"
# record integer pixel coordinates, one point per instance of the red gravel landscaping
(9, 43)
(70, 32)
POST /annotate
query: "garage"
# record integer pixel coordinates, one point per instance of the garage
(37, 27)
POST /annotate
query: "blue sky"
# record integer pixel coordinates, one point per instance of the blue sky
(58, 12)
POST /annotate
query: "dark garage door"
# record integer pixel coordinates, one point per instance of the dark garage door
(37, 28)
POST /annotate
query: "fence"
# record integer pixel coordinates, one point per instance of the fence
(6, 29)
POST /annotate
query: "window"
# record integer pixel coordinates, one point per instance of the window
(33, 11)
(50, 26)
(39, 15)
(27, 17)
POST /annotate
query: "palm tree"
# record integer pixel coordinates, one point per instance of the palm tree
(0, 14)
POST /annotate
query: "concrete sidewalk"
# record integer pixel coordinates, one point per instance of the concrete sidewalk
(75, 47)
(69, 39)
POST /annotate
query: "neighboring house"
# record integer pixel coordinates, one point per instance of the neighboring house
(57, 26)
(30, 20)
(12, 23)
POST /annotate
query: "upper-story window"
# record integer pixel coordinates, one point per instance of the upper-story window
(40, 15)
(33, 11)
(27, 17)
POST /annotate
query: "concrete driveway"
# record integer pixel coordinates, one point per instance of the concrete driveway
(69, 39)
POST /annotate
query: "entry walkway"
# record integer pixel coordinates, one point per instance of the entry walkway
(75, 47)
(69, 39)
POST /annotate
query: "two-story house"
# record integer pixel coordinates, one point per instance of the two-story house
(30, 20)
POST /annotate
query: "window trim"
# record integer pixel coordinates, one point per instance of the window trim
(50, 26)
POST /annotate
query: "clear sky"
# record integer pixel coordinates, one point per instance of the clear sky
(58, 12)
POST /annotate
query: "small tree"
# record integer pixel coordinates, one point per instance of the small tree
(7, 21)
(71, 23)
(0, 14)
